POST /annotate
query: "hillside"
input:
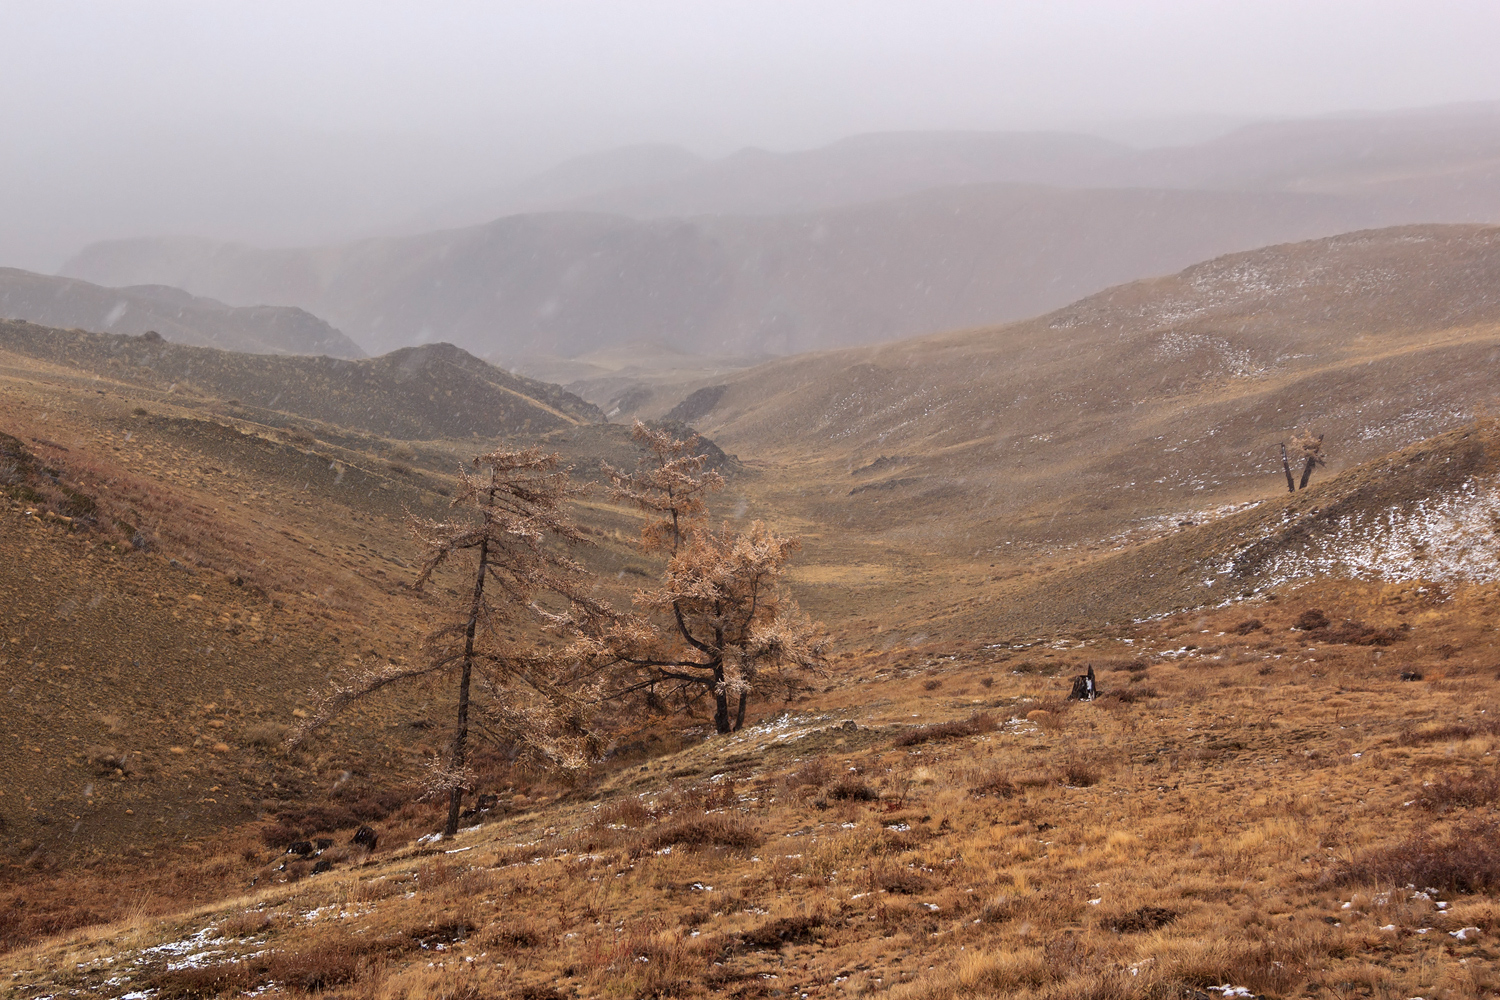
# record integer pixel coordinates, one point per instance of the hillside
(571, 283)
(171, 312)
(1148, 404)
(433, 391)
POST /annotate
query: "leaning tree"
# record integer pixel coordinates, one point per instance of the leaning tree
(510, 523)
(720, 624)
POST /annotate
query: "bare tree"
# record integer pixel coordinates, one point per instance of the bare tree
(1309, 450)
(720, 624)
(519, 653)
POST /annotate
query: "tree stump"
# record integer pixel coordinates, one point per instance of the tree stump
(1084, 688)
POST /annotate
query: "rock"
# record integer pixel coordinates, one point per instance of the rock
(303, 848)
(365, 837)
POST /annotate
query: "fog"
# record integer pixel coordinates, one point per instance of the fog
(290, 123)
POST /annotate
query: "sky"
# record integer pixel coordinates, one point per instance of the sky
(284, 123)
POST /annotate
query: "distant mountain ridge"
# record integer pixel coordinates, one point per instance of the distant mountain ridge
(175, 314)
(872, 238)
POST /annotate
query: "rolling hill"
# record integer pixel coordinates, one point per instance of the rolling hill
(1135, 408)
(170, 312)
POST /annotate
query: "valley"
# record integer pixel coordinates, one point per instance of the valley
(1296, 688)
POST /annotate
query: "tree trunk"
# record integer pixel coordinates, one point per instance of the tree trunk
(721, 701)
(461, 731)
(739, 717)
(1307, 471)
(1286, 464)
(721, 712)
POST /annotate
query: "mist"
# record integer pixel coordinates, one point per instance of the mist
(282, 124)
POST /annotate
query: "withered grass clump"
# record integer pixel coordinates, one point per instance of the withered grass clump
(1453, 732)
(975, 725)
(997, 784)
(1460, 791)
(1146, 918)
(783, 931)
(333, 961)
(700, 832)
(1467, 861)
(852, 789)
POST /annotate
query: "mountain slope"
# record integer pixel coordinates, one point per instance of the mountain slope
(1138, 406)
(571, 283)
(176, 315)
(434, 391)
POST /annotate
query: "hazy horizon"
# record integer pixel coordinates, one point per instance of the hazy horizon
(283, 124)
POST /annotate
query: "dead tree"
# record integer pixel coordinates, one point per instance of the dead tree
(1309, 450)
(511, 521)
(720, 625)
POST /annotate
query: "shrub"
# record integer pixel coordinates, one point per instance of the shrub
(851, 789)
(1469, 861)
(1311, 620)
(698, 832)
(782, 932)
(997, 784)
(1147, 918)
(1465, 791)
(974, 725)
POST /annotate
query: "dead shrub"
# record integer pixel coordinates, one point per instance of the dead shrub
(1311, 620)
(1079, 774)
(974, 725)
(1468, 861)
(813, 773)
(997, 784)
(1146, 918)
(1451, 733)
(700, 832)
(783, 931)
(851, 789)
(932, 684)
(1460, 791)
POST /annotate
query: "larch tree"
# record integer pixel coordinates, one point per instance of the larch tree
(510, 524)
(720, 625)
(1308, 450)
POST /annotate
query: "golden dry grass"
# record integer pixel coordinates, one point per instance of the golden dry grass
(1237, 825)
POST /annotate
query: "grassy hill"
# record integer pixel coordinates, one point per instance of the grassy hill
(1148, 404)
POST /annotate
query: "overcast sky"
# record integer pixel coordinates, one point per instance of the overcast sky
(289, 122)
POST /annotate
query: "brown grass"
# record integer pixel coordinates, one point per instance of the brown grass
(975, 725)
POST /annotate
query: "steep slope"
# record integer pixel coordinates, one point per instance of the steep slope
(572, 283)
(176, 315)
(1154, 400)
(434, 391)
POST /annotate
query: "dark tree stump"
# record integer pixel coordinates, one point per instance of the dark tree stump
(1084, 688)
